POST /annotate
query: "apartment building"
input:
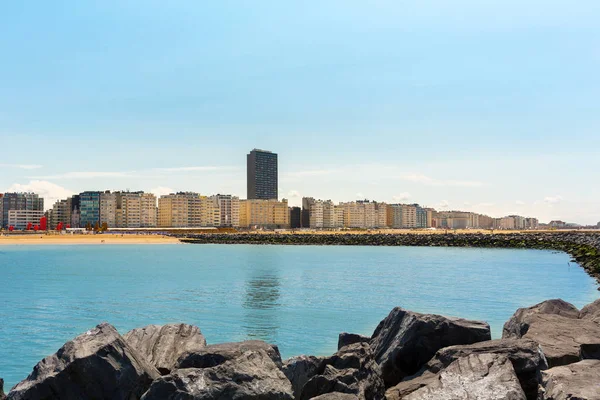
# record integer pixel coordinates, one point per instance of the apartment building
(406, 216)
(19, 219)
(229, 210)
(271, 214)
(173, 210)
(192, 210)
(89, 208)
(108, 209)
(295, 217)
(61, 213)
(19, 202)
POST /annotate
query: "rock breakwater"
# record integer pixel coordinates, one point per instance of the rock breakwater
(583, 247)
(409, 356)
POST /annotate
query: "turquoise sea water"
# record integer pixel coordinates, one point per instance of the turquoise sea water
(299, 297)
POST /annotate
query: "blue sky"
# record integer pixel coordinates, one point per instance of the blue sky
(489, 106)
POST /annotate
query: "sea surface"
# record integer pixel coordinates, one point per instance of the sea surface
(299, 297)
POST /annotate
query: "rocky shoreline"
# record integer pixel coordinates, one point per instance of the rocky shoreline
(583, 247)
(550, 351)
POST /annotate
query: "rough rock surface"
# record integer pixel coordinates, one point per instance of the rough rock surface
(591, 312)
(336, 396)
(2, 395)
(217, 354)
(299, 370)
(579, 381)
(524, 354)
(410, 384)
(404, 341)
(162, 345)
(555, 325)
(351, 370)
(346, 339)
(250, 374)
(98, 364)
(474, 377)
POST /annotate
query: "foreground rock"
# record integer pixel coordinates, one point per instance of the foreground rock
(336, 396)
(98, 364)
(2, 395)
(404, 341)
(352, 370)
(299, 370)
(217, 354)
(525, 355)
(591, 312)
(240, 372)
(346, 339)
(556, 326)
(163, 345)
(477, 376)
(579, 381)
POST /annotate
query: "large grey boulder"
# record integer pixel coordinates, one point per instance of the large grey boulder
(2, 395)
(98, 364)
(556, 326)
(251, 374)
(217, 354)
(346, 339)
(300, 369)
(404, 341)
(474, 377)
(352, 370)
(579, 381)
(591, 312)
(163, 345)
(525, 355)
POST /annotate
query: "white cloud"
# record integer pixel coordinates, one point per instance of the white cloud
(161, 191)
(22, 166)
(520, 203)
(402, 196)
(444, 204)
(552, 199)
(467, 203)
(48, 190)
(293, 194)
(426, 180)
(486, 205)
(360, 195)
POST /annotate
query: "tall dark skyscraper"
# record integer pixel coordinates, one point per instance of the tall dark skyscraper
(262, 175)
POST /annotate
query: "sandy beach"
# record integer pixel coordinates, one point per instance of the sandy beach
(43, 239)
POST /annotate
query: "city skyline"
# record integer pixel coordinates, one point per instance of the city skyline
(476, 106)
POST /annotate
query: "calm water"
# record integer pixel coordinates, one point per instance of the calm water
(297, 297)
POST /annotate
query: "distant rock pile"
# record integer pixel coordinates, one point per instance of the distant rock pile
(550, 351)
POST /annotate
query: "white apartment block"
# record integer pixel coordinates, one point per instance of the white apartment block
(21, 218)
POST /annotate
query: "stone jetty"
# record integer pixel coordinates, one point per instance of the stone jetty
(584, 247)
(549, 351)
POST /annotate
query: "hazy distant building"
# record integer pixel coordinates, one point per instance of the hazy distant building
(20, 202)
(262, 178)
